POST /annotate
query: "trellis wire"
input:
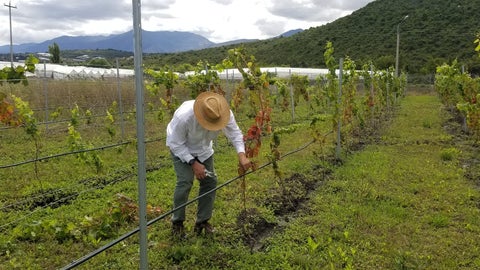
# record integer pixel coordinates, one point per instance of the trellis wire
(131, 233)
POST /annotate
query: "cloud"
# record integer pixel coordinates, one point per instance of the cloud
(34, 21)
(224, 2)
(59, 11)
(314, 10)
(217, 20)
(271, 28)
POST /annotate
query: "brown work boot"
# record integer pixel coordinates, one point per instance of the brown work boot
(204, 227)
(178, 230)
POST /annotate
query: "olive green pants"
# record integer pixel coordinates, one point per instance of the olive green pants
(185, 178)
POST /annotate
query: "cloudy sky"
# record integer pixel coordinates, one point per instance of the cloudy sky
(217, 20)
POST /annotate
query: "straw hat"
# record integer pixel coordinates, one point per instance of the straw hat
(211, 110)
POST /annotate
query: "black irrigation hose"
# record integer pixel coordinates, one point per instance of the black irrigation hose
(63, 154)
(53, 192)
(73, 153)
(60, 121)
(34, 211)
(128, 234)
(75, 194)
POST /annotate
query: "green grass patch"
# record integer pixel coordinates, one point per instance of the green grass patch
(395, 205)
(402, 202)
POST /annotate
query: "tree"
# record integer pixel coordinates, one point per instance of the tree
(54, 51)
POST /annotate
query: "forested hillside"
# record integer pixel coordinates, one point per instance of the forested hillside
(436, 31)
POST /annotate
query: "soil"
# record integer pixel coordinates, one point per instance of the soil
(294, 191)
(288, 199)
(467, 144)
(253, 226)
(293, 194)
(52, 198)
(56, 197)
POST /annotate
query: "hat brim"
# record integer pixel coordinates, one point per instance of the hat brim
(224, 111)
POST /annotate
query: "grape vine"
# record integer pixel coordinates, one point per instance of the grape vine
(14, 75)
(257, 84)
(458, 90)
(205, 78)
(169, 80)
(76, 142)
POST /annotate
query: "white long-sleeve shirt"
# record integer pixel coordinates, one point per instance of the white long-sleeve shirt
(187, 139)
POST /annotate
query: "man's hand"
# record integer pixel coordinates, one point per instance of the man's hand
(244, 162)
(198, 170)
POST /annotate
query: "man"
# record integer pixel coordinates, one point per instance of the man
(190, 134)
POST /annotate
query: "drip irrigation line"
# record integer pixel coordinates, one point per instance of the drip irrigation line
(76, 194)
(136, 230)
(64, 198)
(123, 177)
(3, 226)
(83, 118)
(66, 189)
(64, 154)
(73, 152)
(33, 198)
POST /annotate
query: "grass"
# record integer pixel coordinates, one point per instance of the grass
(401, 202)
(395, 205)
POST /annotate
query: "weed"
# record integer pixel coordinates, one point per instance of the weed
(427, 124)
(439, 221)
(449, 154)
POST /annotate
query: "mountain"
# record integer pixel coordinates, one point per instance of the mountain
(153, 42)
(290, 33)
(239, 41)
(233, 42)
(435, 32)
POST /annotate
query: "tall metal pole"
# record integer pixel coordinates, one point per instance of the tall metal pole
(120, 101)
(292, 100)
(141, 162)
(398, 45)
(11, 40)
(45, 89)
(338, 148)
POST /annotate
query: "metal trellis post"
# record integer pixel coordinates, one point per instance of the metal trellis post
(142, 187)
(292, 96)
(120, 101)
(338, 149)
